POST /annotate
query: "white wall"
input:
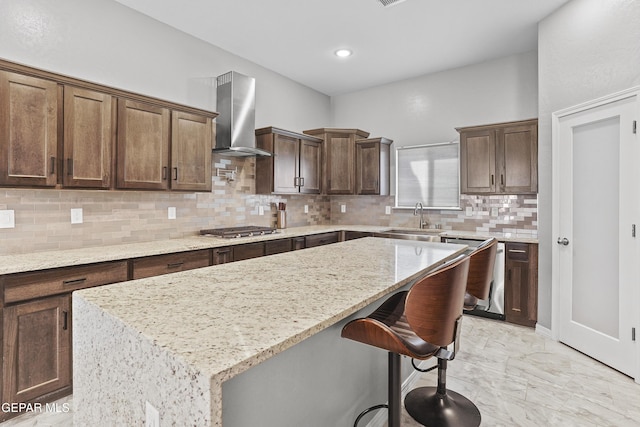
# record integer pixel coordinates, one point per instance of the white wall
(428, 108)
(105, 42)
(586, 49)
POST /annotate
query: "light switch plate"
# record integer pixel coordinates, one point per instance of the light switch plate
(306, 208)
(387, 210)
(469, 211)
(494, 212)
(76, 216)
(343, 208)
(152, 416)
(171, 212)
(261, 210)
(7, 218)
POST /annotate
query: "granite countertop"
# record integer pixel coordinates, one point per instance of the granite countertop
(218, 324)
(71, 257)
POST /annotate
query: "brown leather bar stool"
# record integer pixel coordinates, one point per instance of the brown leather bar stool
(437, 406)
(418, 323)
(481, 261)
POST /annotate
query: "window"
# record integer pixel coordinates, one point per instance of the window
(429, 174)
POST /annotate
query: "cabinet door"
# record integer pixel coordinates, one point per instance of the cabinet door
(521, 290)
(321, 239)
(36, 348)
(518, 159)
(272, 247)
(477, 161)
(248, 251)
(222, 255)
(87, 138)
(368, 168)
(170, 263)
(28, 130)
(310, 167)
(191, 141)
(286, 151)
(340, 163)
(143, 146)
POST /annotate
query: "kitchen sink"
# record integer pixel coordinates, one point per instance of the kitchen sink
(420, 235)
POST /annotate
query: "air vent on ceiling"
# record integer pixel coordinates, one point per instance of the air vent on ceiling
(387, 3)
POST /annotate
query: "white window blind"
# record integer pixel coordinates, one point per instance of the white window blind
(429, 174)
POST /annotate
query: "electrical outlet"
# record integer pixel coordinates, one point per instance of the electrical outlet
(469, 211)
(261, 210)
(494, 212)
(76, 216)
(387, 210)
(343, 208)
(171, 212)
(306, 208)
(152, 416)
(7, 219)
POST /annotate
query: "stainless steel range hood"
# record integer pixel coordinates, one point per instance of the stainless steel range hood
(235, 128)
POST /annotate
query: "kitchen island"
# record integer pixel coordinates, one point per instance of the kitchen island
(230, 341)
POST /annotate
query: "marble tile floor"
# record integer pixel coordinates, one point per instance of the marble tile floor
(519, 378)
(516, 378)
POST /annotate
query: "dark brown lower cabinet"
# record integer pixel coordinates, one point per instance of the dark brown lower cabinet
(36, 350)
(351, 235)
(248, 251)
(222, 255)
(521, 284)
(171, 263)
(321, 239)
(272, 247)
(297, 243)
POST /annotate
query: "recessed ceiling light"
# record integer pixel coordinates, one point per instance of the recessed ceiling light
(343, 53)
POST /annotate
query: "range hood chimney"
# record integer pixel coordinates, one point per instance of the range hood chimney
(235, 128)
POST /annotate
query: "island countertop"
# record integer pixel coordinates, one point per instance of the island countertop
(220, 321)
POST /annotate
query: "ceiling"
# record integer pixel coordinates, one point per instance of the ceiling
(410, 38)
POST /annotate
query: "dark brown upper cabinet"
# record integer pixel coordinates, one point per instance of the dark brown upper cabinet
(59, 131)
(191, 142)
(499, 158)
(143, 146)
(339, 154)
(372, 166)
(88, 138)
(296, 164)
(28, 130)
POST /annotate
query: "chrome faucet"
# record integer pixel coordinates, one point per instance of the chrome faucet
(419, 206)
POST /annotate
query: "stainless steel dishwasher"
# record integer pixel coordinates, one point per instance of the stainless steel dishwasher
(492, 307)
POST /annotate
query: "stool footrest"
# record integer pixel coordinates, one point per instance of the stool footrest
(366, 411)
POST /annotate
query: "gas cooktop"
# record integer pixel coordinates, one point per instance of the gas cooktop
(236, 232)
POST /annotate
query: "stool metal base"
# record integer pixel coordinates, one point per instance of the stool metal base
(432, 409)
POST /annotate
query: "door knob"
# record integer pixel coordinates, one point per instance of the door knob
(563, 241)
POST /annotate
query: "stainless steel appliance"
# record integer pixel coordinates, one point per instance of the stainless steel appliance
(237, 232)
(493, 306)
(236, 122)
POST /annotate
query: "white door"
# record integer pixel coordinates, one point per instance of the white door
(596, 207)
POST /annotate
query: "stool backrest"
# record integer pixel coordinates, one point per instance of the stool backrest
(481, 263)
(434, 302)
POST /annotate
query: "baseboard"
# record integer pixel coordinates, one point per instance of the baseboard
(545, 332)
(380, 418)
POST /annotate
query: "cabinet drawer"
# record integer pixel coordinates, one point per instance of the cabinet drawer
(247, 251)
(517, 251)
(170, 263)
(277, 246)
(321, 239)
(25, 286)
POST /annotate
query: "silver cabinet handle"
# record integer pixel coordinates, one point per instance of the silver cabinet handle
(563, 241)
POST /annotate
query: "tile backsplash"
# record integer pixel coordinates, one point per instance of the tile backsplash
(43, 216)
(505, 213)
